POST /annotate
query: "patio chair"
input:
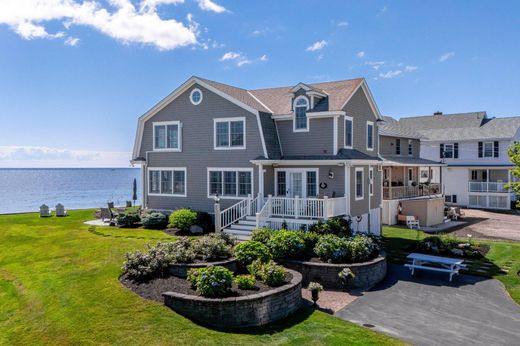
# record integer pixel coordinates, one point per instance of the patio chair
(412, 222)
(106, 214)
(128, 204)
(110, 205)
(60, 210)
(460, 212)
(45, 211)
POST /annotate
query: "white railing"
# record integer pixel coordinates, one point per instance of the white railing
(482, 186)
(494, 202)
(397, 192)
(238, 211)
(263, 214)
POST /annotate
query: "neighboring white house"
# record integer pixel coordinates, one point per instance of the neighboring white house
(474, 147)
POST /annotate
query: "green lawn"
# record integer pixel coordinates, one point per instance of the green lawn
(502, 262)
(58, 286)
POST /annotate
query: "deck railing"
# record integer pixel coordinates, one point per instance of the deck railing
(397, 192)
(240, 210)
(482, 186)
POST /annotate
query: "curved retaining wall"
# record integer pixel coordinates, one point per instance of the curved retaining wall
(238, 312)
(367, 273)
(181, 269)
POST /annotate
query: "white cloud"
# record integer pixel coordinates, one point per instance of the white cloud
(344, 23)
(71, 41)
(320, 57)
(209, 5)
(360, 54)
(243, 62)
(122, 21)
(410, 68)
(152, 4)
(376, 65)
(31, 156)
(317, 46)
(230, 56)
(390, 74)
(446, 56)
(383, 9)
(264, 58)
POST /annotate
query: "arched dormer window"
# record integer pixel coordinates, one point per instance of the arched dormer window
(301, 106)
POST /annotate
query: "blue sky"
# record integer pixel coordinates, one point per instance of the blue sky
(75, 75)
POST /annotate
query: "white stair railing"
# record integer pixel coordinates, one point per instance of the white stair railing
(238, 211)
(264, 214)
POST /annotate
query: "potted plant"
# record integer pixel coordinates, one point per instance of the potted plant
(315, 289)
(346, 276)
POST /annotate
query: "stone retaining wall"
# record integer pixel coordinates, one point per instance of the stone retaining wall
(367, 273)
(237, 312)
(181, 269)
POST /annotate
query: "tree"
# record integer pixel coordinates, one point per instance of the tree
(134, 195)
(514, 156)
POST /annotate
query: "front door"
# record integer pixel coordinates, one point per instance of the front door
(295, 186)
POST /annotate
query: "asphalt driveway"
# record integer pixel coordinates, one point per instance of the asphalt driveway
(427, 309)
(486, 224)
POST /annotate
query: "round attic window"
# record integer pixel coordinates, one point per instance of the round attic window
(196, 96)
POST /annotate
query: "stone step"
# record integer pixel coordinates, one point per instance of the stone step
(239, 233)
(247, 222)
(240, 226)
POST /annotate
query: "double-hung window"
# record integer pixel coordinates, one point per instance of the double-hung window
(448, 151)
(230, 182)
(359, 183)
(370, 135)
(230, 133)
(349, 132)
(488, 149)
(371, 181)
(410, 147)
(167, 181)
(167, 136)
(398, 146)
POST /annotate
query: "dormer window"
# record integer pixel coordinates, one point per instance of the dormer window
(301, 122)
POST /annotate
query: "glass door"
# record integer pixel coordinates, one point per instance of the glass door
(296, 184)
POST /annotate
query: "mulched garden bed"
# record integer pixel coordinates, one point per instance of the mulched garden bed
(154, 288)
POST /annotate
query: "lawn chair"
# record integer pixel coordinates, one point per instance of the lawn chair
(412, 222)
(60, 210)
(106, 214)
(45, 211)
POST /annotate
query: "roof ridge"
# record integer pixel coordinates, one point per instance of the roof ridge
(214, 81)
(309, 84)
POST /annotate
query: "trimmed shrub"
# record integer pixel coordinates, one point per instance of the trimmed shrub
(286, 244)
(229, 239)
(270, 273)
(361, 248)
(212, 248)
(262, 235)
(155, 220)
(335, 225)
(250, 251)
(211, 281)
(127, 219)
(181, 251)
(245, 282)
(204, 221)
(331, 248)
(310, 239)
(183, 219)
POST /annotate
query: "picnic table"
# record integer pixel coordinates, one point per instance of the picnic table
(435, 263)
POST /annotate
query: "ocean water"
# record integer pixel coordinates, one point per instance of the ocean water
(23, 190)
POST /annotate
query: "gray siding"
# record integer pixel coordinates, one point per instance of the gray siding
(387, 146)
(197, 148)
(359, 109)
(361, 206)
(317, 141)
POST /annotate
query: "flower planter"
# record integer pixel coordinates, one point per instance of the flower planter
(181, 269)
(238, 312)
(367, 273)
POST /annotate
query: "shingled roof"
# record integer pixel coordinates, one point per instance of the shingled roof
(394, 128)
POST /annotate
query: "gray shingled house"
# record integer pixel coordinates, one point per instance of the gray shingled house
(295, 154)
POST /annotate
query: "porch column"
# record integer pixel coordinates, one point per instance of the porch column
(261, 183)
(487, 187)
(347, 188)
(508, 191)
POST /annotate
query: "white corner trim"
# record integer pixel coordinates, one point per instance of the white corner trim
(335, 136)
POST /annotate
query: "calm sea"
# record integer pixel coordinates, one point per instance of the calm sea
(24, 190)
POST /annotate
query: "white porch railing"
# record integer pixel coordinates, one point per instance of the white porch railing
(483, 201)
(478, 186)
(397, 192)
(296, 208)
(240, 210)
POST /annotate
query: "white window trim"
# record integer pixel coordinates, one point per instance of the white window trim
(306, 115)
(371, 181)
(228, 120)
(179, 137)
(452, 146)
(229, 169)
(484, 150)
(362, 170)
(345, 132)
(304, 179)
(201, 96)
(371, 123)
(149, 169)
